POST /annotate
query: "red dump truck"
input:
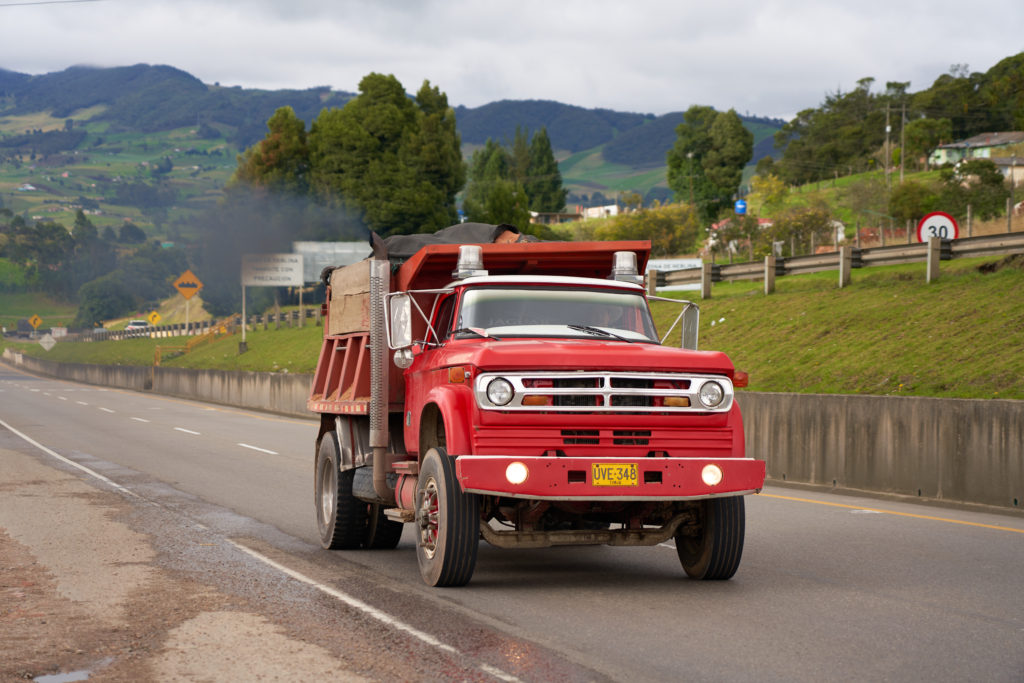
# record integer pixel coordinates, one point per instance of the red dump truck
(520, 393)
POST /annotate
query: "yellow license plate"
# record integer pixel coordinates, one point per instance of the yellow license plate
(614, 474)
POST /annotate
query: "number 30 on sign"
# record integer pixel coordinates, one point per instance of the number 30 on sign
(938, 224)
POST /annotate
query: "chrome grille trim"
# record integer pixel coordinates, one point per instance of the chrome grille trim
(602, 392)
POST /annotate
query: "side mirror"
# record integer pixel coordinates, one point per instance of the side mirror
(691, 322)
(401, 321)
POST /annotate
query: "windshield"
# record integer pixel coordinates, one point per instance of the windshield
(557, 312)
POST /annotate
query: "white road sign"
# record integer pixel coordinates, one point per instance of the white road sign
(937, 224)
(47, 341)
(271, 270)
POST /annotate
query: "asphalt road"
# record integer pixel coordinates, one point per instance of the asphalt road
(831, 587)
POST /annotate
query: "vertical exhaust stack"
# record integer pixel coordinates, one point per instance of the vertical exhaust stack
(380, 285)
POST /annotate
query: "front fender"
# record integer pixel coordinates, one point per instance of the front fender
(455, 405)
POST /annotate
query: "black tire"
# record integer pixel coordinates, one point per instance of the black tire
(381, 533)
(447, 523)
(714, 553)
(340, 517)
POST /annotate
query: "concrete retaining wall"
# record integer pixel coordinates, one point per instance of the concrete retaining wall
(949, 450)
(273, 392)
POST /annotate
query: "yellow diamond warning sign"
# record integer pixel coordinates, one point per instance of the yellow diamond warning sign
(154, 317)
(188, 284)
(35, 321)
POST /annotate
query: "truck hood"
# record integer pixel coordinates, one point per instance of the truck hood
(583, 354)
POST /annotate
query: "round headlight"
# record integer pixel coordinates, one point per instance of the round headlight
(500, 392)
(711, 394)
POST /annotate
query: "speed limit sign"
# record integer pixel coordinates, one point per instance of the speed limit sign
(938, 224)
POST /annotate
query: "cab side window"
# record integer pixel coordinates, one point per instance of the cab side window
(443, 319)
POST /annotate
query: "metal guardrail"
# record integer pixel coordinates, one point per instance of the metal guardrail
(986, 245)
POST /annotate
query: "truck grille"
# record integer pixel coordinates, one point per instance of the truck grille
(592, 392)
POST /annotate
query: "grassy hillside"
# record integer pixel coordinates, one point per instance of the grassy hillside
(889, 333)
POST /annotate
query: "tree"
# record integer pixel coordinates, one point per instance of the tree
(706, 162)
(388, 159)
(911, 200)
(924, 135)
(101, 299)
(280, 162)
(493, 196)
(672, 229)
(976, 183)
(131, 233)
(543, 182)
(770, 189)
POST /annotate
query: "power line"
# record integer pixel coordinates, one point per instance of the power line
(45, 2)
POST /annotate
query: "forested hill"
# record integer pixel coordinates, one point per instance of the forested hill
(147, 99)
(144, 98)
(631, 139)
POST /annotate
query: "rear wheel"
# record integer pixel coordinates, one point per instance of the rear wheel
(447, 521)
(715, 550)
(341, 518)
(381, 532)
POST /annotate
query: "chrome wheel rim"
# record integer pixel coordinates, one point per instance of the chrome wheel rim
(328, 490)
(427, 516)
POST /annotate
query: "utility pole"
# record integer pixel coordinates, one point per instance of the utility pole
(903, 140)
(888, 128)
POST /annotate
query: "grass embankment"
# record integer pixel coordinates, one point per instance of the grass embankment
(887, 333)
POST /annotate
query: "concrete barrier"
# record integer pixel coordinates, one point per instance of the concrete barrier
(946, 450)
(949, 450)
(269, 391)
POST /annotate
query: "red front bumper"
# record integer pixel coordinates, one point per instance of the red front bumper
(553, 478)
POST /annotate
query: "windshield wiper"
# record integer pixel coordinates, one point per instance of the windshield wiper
(477, 331)
(598, 332)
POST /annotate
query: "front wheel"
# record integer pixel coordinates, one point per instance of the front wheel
(448, 522)
(714, 548)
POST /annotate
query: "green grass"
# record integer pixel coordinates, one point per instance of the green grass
(888, 333)
(53, 313)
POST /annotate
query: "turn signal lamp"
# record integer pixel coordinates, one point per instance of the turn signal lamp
(516, 473)
(711, 475)
(740, 379)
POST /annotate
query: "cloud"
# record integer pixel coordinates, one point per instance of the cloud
(768, 58)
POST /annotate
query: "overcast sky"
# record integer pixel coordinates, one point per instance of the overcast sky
(767, 58)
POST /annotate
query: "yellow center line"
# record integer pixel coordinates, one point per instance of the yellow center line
(890, 512)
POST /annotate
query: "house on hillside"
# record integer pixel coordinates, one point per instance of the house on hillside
(1012, 169)
(977, 147)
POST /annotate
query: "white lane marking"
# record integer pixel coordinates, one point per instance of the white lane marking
(349, 600)
(46, 393)
(498, 673)
(33, 389)
(85, 469)
(106, 410)
(371, 611)
(257, 448)
(81, 403)
(671, 546)
(865, 512)
(140, 419)
(187, 431)
(63, 398)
